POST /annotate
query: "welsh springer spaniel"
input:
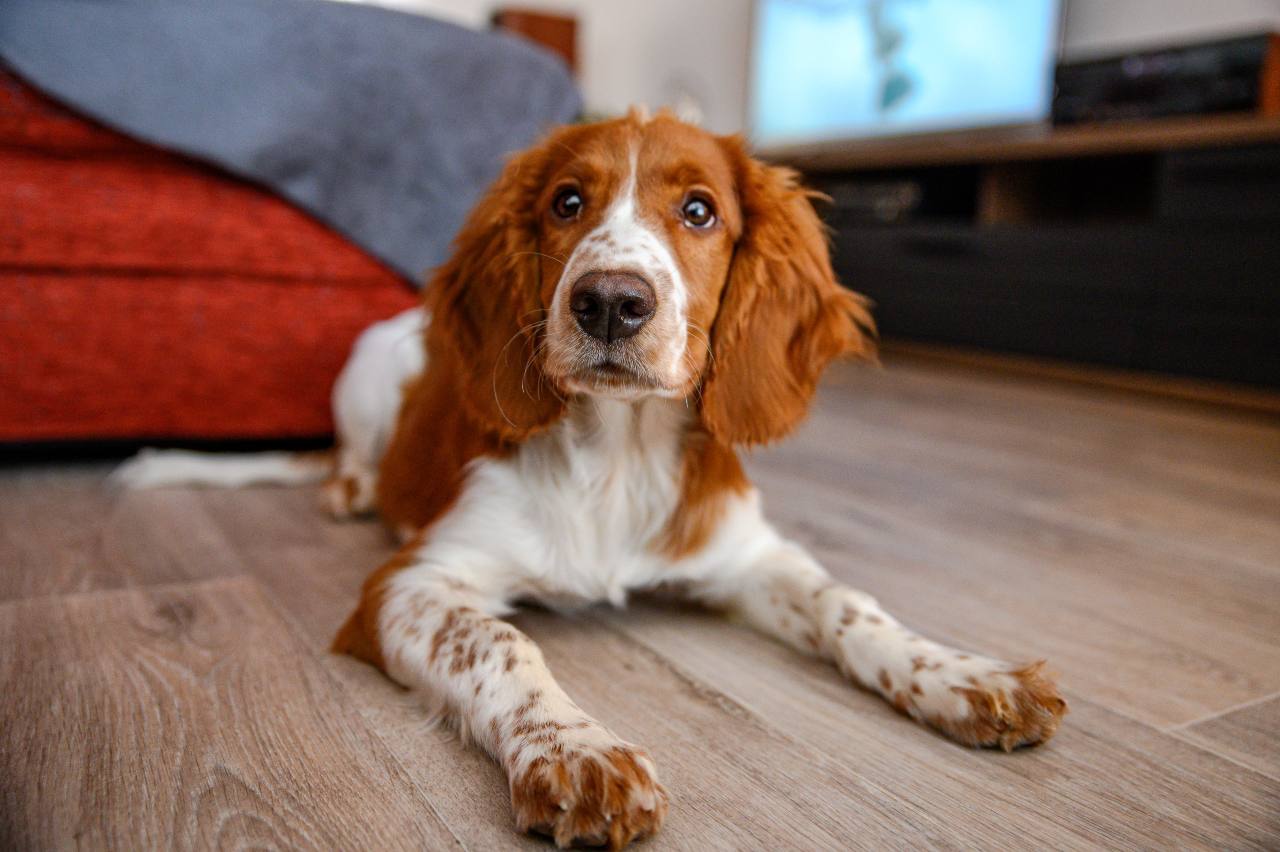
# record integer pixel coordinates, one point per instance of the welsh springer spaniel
(630, 303)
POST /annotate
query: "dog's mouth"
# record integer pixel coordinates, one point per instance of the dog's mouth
(611, 370)
(611, 376)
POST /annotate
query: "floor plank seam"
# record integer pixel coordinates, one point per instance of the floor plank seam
(1155, 727)
(1244, 705)
(1183, 736)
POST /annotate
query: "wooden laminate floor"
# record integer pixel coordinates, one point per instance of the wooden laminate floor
(164, 681)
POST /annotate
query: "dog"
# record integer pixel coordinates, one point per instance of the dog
(631, 303)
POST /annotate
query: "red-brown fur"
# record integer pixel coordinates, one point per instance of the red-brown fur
(783, 316)
(358, 635)
(764, 313)
(710, 474)
(1032, 714)
(605, 789)
(476, 397)
(779, 321)
(765, 316)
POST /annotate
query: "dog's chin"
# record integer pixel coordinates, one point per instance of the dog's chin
(607, 379)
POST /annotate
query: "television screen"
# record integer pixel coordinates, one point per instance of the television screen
(837, 69)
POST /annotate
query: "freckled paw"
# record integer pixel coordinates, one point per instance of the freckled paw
(590, 798)
(1007, 709)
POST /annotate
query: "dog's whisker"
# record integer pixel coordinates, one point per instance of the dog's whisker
(537, 254)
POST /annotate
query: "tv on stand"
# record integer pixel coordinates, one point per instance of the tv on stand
(826, 70)
(1146, 246)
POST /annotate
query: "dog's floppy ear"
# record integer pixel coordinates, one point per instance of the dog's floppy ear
(486, 311)
(782, 315)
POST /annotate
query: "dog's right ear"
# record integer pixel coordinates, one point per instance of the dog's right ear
(486, 309)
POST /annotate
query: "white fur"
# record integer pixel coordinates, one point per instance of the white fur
(624, 242)
(152, 468)
(580, 509)
(366, 400)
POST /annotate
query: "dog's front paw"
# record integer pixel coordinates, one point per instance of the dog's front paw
(589, 796)
(1010, 708)
(348, 495)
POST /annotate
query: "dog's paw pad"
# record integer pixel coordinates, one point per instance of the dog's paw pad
(1007, 709)
(593, 798)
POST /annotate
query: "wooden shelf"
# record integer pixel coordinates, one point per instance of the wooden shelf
(1030, 143)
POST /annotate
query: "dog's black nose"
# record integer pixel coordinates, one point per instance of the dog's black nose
(611, 306)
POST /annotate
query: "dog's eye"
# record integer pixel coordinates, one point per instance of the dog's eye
(698, 213)
(567, 204)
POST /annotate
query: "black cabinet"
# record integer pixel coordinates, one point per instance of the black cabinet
(1184, 281)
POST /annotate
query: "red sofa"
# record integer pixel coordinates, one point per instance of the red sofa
(144, 296)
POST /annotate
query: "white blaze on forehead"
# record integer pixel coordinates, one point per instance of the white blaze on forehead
(623, 242)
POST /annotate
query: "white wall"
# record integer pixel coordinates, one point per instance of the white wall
(660, 52)
(1101, 26)
(656, 51)
(651, 52)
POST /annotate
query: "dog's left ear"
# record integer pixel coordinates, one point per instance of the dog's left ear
(782, 316)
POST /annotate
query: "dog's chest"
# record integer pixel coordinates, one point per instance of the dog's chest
(588, 500)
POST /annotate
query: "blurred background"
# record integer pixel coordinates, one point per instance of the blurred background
(1065, 212)
(201, 207)
(661, 51)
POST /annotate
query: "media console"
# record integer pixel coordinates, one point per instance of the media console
(1150, 246)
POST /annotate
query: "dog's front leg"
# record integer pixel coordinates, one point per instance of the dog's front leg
(976, 700)
(569, 776)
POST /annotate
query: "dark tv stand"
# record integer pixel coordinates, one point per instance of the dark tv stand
(1149, 246)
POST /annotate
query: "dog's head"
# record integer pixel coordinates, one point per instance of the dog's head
(641, 257)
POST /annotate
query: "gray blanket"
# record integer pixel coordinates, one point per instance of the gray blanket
(387, 126)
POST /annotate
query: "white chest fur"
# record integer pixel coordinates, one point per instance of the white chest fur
(573, 514)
